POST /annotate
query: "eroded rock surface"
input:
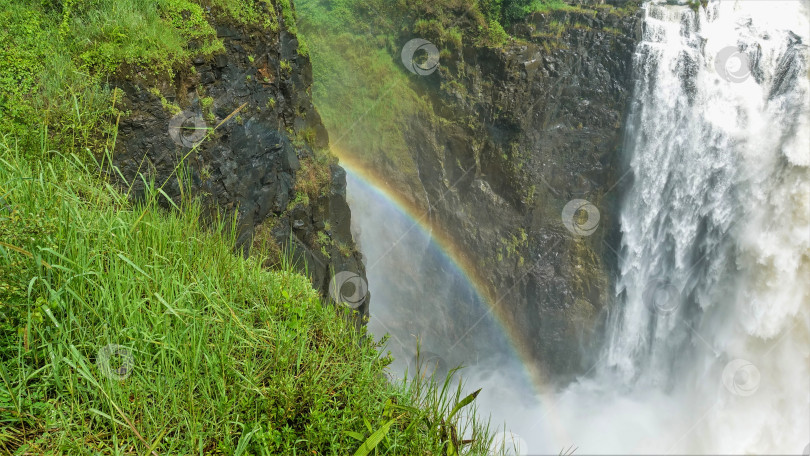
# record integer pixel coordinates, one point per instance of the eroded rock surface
(516, 134)
(267, 157)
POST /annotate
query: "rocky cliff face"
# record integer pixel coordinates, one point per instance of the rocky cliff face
(518, 164)
(261, 149)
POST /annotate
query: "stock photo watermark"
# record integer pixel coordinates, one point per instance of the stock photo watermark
(427, 365)
(425, 65)
(732, 65)
(187, 129)
(661, 296)
(741, 377)
(115, 362)
(580, 217)
(348, 289)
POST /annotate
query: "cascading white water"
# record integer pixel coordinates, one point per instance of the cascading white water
(708, 343)
(713, 289)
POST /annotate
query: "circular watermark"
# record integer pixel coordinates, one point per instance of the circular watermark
(422, 68)
(508, 443)
(661, 296)
(732, 65)
(429, 365)
(580, 217)
(115, 361)
(348, 288)
(187, 129)
(741, 377)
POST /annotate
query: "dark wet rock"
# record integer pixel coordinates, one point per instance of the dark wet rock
(257, 94)
(517, 132)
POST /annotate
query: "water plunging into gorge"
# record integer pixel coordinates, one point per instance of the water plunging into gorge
(707, 347)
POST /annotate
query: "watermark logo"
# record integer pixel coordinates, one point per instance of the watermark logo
(424, 66)
(732, 65)
(187, 129)
(661, 296)
(115, 361)
(508, 443)
(741, 377)
(428, 365)
(580, 217)
(348, 288)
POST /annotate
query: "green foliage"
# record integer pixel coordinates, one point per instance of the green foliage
(345, 249)
(324, 239)
(171, 108)
(513, 246)
(227, 357)
(57, 54)
(253, 12)
(300, 198)
(361, 91)
(507, 12)
(497, 34)
(314, 178)
(515, 10)
(695, 5)
(288, 14)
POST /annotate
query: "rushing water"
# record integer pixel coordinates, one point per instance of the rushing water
(716, 225)
(708, 344)
(708, 347)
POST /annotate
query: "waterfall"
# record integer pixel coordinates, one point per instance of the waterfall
(713, 295)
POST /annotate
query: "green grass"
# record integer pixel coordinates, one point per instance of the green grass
(57, 54)
(227, 357)
(515, 10)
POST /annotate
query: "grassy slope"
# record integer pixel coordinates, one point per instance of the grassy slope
(226, 357)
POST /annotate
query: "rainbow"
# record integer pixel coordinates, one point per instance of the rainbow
(455, 254)
(464, 265)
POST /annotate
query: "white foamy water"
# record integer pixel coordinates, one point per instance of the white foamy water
(708, 346)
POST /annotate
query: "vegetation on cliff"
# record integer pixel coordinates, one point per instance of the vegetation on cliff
(517, 119)
(365, 94)
(129, 328)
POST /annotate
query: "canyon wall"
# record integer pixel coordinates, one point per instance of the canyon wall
(242, 123)
(518, 163)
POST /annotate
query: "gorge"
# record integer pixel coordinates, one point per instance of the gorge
(373, 226)
(683, 134)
